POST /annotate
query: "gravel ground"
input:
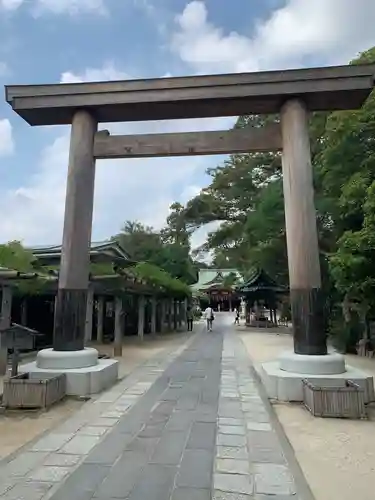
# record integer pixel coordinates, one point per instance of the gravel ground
(336, 456)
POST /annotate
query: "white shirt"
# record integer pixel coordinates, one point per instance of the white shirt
(208, 313)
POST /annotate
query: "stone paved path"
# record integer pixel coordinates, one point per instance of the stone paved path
(187, 425)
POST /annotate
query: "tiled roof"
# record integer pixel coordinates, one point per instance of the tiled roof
(209, 277)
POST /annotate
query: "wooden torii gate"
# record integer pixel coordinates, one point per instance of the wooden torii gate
(292, 93)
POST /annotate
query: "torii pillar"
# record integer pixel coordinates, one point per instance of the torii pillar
(71, 304)
(86, 374)
(301, 232)
(284, 378)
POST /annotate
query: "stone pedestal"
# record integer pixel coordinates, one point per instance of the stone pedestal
(329, 364)
(283, 378)
(85, 373)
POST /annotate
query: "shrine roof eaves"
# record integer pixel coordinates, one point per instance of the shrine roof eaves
(260, 280)
(111, 249)
(209, 277)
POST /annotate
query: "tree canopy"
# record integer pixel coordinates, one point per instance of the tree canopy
(169, 249)
(15, 257)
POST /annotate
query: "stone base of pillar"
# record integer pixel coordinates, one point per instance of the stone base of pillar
(328, 364)
(85, 373)
(283, 378)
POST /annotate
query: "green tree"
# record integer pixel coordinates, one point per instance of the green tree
(140, 241)
(160, 248)
(245, 195)
(176, 231)
(14, 256)
(345, 171)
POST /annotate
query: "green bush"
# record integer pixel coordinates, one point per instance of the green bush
(344, 335)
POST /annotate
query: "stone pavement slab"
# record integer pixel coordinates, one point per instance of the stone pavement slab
(188, 425)
(250, 463)
(77, 455)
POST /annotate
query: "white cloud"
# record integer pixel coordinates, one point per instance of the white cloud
(199, 236)
(205, 46)
(6, 138)
(330, 31)
(11, 4)
(70, 7)
(124, 189)
(189, 192)
(107, 72)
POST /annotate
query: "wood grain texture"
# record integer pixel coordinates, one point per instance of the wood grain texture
(344, 87)
(153, 315)
(70, 319)
(300, 214)
(175, 315)
(163, 310)
(267, 138)
(71, 302)
(100, 319)
(301, 232)
(89, 315)
(5, 322)
(75, 255)
(118, 327)
(169, 307)
(329, 72)
(309, 336)
(141, 316)
(6, 307)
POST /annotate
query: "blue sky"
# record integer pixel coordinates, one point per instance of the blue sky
(51, 41)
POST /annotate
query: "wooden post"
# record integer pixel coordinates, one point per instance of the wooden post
(15, 362)
(70, 312)
(100, 319)
(6, 308)
(301, 232)
(118, 327)
(174, 308)
(141, 316)
(170, 309)
(153, 315)
(5, 322)
(162, 315)
(184, 312)
(89, 313)
(24, 312)
(179, 313)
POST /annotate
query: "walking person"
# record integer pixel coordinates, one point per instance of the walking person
(189, 318)
(237, 316)
(209, 315)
